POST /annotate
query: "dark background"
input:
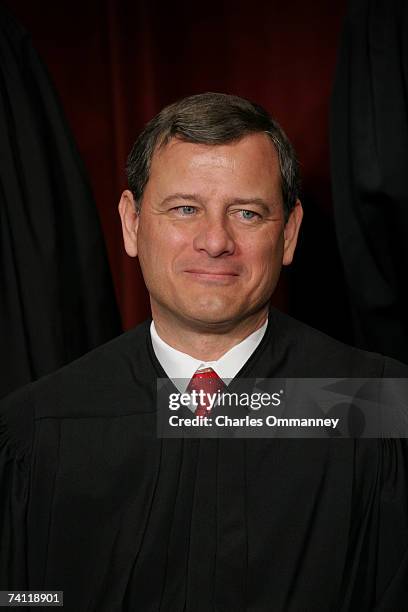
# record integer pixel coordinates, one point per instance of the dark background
(116, 64)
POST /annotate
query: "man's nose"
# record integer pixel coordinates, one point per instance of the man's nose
(215, 237)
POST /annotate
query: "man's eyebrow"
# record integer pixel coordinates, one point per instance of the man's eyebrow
(264, 204)
(189, 197)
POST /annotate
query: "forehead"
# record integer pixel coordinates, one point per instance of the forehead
(251, 162)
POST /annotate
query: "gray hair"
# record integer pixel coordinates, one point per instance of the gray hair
(213, 119)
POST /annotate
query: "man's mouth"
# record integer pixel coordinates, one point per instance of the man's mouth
(221, 276)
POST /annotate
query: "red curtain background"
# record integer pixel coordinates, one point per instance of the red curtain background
(117, 63)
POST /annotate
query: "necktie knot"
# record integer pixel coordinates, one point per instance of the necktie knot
(206, 383)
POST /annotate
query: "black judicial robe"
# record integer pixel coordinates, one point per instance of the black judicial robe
(369, 149)
(94, 504)
(57, 300)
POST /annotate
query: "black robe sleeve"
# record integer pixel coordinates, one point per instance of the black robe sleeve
(392, 554)
(376, 575)
(15, 457)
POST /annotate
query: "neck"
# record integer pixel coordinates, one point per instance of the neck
(203, 341)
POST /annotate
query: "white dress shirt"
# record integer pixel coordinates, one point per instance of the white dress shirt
(180, 367)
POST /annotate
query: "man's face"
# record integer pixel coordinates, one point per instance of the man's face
(211, 236)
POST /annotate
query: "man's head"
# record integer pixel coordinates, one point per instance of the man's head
(213, 209)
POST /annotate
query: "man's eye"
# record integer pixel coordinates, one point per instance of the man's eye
(186, 210)
(248, 215)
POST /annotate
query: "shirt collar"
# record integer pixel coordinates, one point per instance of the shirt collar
(180, 367)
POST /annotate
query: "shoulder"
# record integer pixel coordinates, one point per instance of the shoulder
(310, 352)
(100, 383)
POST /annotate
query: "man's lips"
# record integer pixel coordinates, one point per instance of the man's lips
(212, 275)
(213, 272)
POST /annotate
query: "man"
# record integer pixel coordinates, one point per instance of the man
(95, 504)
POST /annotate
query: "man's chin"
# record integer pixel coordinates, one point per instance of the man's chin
(214, 316)
(202, 313)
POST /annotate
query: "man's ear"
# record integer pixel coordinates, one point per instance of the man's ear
(291, 232)
(129, 217)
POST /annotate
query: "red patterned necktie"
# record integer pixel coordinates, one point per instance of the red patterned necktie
(208, 381)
